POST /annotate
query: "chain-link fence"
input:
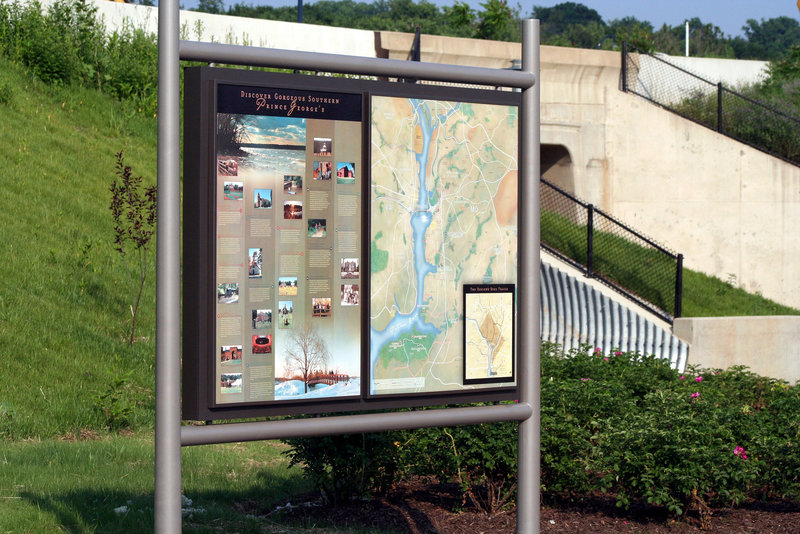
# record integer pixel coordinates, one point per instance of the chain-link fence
(762, 126)
(607, 249)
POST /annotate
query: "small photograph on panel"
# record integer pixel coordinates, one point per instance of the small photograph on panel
(345, 172)
(287, 285)
(230, 354)
(233, 190)
(262, 344)
(349, 268)
(292, 209)
(262, 319)
(322, 170)
(292, 184)
(254, 258)
(228, 293)
(350, 295)
(262, 199)
(230, 383)
(228, 165)
(323, 146)
(321, 307)
(317, 228)
(285, 313)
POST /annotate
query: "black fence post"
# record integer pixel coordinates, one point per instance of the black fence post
(719, 107)
(678, 286)
(589, 238)
(624, 67)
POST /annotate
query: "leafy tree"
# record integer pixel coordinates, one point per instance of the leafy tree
(768, 39)
(705, 40)
(555, 21)
(211, 6)
(632, 30)
(460, 19)
(134, 211)
(590, 35)
(498, 22)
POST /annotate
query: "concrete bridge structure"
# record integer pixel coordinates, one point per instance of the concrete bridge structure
(731, 210)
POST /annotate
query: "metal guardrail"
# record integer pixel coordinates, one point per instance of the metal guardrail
(711, 104)
(607, 249)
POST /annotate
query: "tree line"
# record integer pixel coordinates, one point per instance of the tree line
(566, 24)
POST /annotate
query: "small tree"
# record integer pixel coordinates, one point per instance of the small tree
(134, 210)
(308, 352)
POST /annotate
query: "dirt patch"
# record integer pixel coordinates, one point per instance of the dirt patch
(418, 508)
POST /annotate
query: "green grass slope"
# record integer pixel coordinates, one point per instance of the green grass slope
(63, 307)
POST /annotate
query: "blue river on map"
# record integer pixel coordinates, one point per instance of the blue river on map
(404, 323)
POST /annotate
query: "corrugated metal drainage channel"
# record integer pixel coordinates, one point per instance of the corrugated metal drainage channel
(574, 313)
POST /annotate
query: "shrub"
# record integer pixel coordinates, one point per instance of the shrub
(346, 466)
(674, 451)
(482, 459)
(618, 422)
(67, 44)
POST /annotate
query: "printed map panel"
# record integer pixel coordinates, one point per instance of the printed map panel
(443, 213)
(489, 332)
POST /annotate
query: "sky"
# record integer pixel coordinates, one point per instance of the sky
(729, 15)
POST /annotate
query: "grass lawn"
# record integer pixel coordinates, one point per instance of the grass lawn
(55, 485)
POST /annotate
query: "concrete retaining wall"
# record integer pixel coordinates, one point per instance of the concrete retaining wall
(769, 346)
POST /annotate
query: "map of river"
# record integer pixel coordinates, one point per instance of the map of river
(444, 213)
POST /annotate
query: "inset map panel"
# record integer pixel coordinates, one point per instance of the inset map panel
(488, 333)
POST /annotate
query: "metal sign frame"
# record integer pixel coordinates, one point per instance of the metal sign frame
(205, 88)
(170, 436)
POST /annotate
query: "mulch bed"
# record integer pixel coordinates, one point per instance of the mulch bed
(418, 508)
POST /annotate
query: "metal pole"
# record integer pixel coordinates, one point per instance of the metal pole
(624, 67)
(589, 239)
(391, 68)
(352, 424)
(529, 291)
(678, 286)
(719, 107)
(168, 281)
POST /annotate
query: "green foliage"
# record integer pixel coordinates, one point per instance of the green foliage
(767, 39)
(482, 459)
(211, 6)
(346, 466)
(498, 22)
(115, 404)
(67, 45)
(620, 422)
(6, 94)
(705, 40)
(631, 30)
(558, 19)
